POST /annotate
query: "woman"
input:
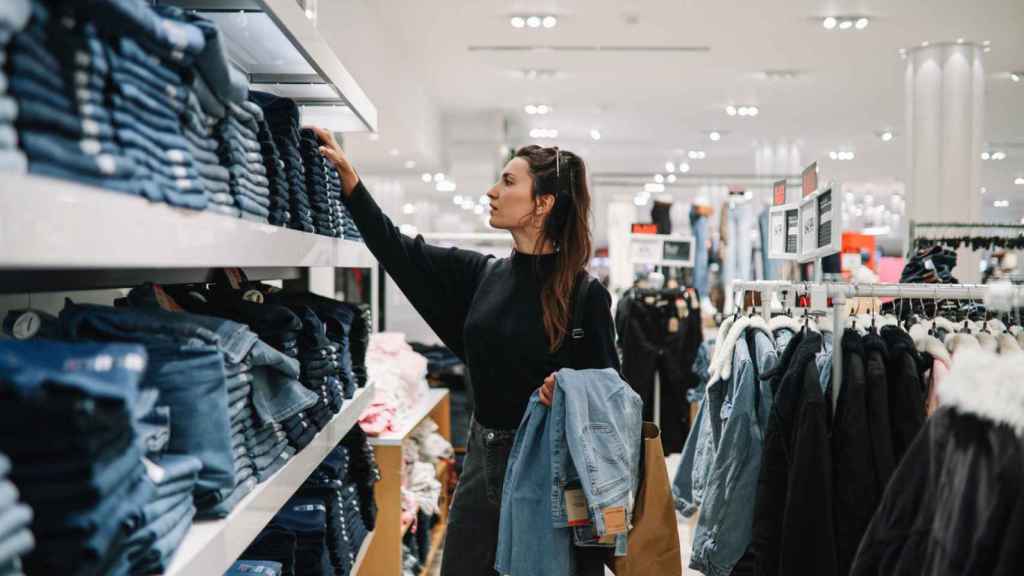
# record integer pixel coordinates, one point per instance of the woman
(507, 318)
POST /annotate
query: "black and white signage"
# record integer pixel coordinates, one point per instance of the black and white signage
(783, 226)
(820, 232)
(662, 250)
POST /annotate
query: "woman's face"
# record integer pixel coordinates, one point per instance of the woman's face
(512, 203)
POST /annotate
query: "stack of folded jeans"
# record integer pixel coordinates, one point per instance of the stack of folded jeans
(66, 422)
(359, 341)
(346, 528)
(166, 518)
(349, 231)
(151, 60)
(187, 365)
(280, 195)
(15, 518)
(282, 116)
(276, 544)
(14, 15)
(318, 358)
(317, 188)
(224, 80)
(240, 151)
(58, 75)
(202, 142)
(363, 473)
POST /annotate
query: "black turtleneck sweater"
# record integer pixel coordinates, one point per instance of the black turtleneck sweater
(490, 316)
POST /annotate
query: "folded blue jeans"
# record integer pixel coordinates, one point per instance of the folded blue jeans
(178, 41)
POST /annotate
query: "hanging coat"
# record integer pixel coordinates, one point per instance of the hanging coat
(793, 524)
(876, 355)
(907, 393)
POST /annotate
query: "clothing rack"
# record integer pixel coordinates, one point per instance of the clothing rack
(996, 297)
(915, 228)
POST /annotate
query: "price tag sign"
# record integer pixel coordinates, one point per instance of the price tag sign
(784, 226)
(809, 180)
(779, 193)
(644, 228)
(820, 233)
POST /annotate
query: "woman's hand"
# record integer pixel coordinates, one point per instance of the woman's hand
(547, 390)
(331, 150)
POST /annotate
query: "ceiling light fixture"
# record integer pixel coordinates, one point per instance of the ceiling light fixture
(730, 110)
(834, 155)
(533, 22)
(983, 190)
(458, 199)
(684, 167)
(595, 134)
(715, 136)
(517, 22)
(670, 167)
(959, 40)
(887, 136)
(999, 155)
(409, 209)
(550, 21)
(671, 179)
(862, 23)
(543, 133)
(439, 177)
(1001, 203)
(1019, 181)
(426, 177)
(530, 109)
(925, 44)
(445, 186)
(659, 178)
(829, 23)
(846, 24)
(697, 155)
(1015, 76)
(985, 156)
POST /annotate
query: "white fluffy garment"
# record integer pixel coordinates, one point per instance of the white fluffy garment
(986, 385)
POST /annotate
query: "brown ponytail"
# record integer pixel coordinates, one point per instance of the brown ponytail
(563, 175)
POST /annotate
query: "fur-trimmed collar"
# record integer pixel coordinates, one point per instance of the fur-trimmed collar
(960, 342)
(722, 363)
(1008, 344)
(986, 385)
(947, 324)
(925, 342)
(988, 342)
(784, 322)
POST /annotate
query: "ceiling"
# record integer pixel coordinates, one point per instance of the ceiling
(421, 64)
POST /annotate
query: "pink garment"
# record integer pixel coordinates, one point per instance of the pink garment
(939, 372)
(378, 418)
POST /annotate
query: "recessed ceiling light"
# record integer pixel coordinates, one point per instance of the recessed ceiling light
(887, 136)
(833, 155)
(862, 23)
(846, 24)
(684, 167)
(530, 109)
(533, 22)
(409, 209)
(543, 109)
(458, 199)
(697, 155)
(641, 199)
(659, 178)
(1019, 181)
(829, 23)
(1015, 76)
(671, 179)
(595, 134)
(426, 177)
(730, 110)
(439, 177)
(550, 22)
(959, 40)
(753, 110)
(983, 190)
(670, 167)
(999, 155)
(715, 136)
(985, 156)
(517, 22)
(410, 164)
(1001, 203)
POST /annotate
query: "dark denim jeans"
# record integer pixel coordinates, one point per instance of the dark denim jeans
(178, 41)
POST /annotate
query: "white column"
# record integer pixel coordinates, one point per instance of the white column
(945, 116)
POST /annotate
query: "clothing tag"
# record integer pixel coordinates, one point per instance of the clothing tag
(27, 325)
(234, 277)
(614, 520)
(576, 506)
(673, 325)
(254, 296)
(165, 301)
(156, 473)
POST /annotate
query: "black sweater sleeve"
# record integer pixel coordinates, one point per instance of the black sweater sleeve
(439, 282)
(599, 330)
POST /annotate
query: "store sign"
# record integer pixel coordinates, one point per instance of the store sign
(820, 233)
(644, 228)
(662, 250)
(809, 180)
(783, 226)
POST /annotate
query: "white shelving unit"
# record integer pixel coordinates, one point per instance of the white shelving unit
(284, 52)
(66, 225)
(211, 547)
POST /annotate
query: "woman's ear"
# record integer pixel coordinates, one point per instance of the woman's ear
(545, 204)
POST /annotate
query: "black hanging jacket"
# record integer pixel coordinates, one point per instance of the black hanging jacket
(876, 356)
(955, 505)
(853, 461)
(793, 524)
(908, 395)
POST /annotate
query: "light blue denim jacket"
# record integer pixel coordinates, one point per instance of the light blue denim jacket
(726, 460)
(592, 433)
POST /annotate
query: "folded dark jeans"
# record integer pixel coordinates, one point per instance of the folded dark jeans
(179, 42)
(157, 78)
(160, 554)
(225, 507)
(165, 515)
(82, 490)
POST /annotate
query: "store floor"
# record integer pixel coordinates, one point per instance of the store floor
(686, 527)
